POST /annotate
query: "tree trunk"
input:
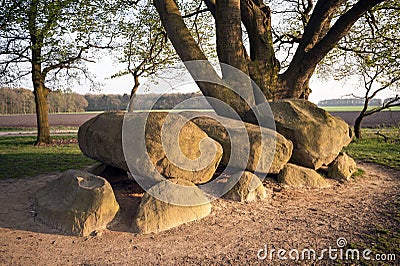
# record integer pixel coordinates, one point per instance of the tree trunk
(357, 123)
(133, 92)
(42, 115)
(357, 126)
(188, 50)
(318, 39)
(42, 108)
(39, 89)
(261, 65)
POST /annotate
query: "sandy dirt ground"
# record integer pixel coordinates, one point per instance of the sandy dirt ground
(232, 234)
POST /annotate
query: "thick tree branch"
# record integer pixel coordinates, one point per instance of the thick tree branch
(210, 6)
(229, 34)
(391, 103)
(340, 29)
(196, 13)
(177, 31)
(188, 50)
(318, 23)
(307, 57)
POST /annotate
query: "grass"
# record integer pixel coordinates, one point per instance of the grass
(24, 129)
(373, 148)
(352, 108)
(19, 158)
(34, 129)
(381, 239)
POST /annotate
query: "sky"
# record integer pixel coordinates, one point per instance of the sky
(322, 89)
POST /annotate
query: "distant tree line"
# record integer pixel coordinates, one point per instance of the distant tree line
(108, 102)
(350, 102)
(21, 101)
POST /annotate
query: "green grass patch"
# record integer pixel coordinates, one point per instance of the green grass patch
(19, 158)
(358, 173)
(352, 108)
(382, 239)
(53, 128)
(12, 129)
(372, 148)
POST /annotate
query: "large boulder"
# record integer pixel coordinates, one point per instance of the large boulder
(156, 212)
(317, 136)
(248, 188)
(342, 167)
(77, 203)
(297, 177)
(101, 139)
(269, 151)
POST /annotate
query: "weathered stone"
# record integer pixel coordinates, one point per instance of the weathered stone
(154, 215)
(317, 136)
(342, 167)
(77, 203)
(297, 176)
(247, 188)
(101, 139)
(269, 150)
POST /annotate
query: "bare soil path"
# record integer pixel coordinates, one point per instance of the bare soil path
(232, 234)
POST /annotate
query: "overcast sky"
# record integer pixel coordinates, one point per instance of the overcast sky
(322, 89)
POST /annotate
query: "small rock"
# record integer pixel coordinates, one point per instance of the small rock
(77, 203)
(154, 215)
(247, 188)
(297, 176)
(342, 167)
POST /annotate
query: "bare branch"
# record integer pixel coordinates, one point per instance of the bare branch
(196, 13)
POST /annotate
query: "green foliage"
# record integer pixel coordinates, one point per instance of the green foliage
(145, 47)
(65, 32)
(19, 158)
(370, 52)
(372, 148)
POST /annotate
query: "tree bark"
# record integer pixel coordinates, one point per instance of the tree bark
(230, 48)
(261, 65)
(40, 91)
(42, 108)
(264, 67)
(357, 126)
(316, 43)
(357, 123)
(133, 91)
(209, 82)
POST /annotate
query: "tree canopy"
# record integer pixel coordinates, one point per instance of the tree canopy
(49, 40)
(278, 44)
(247, 40)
